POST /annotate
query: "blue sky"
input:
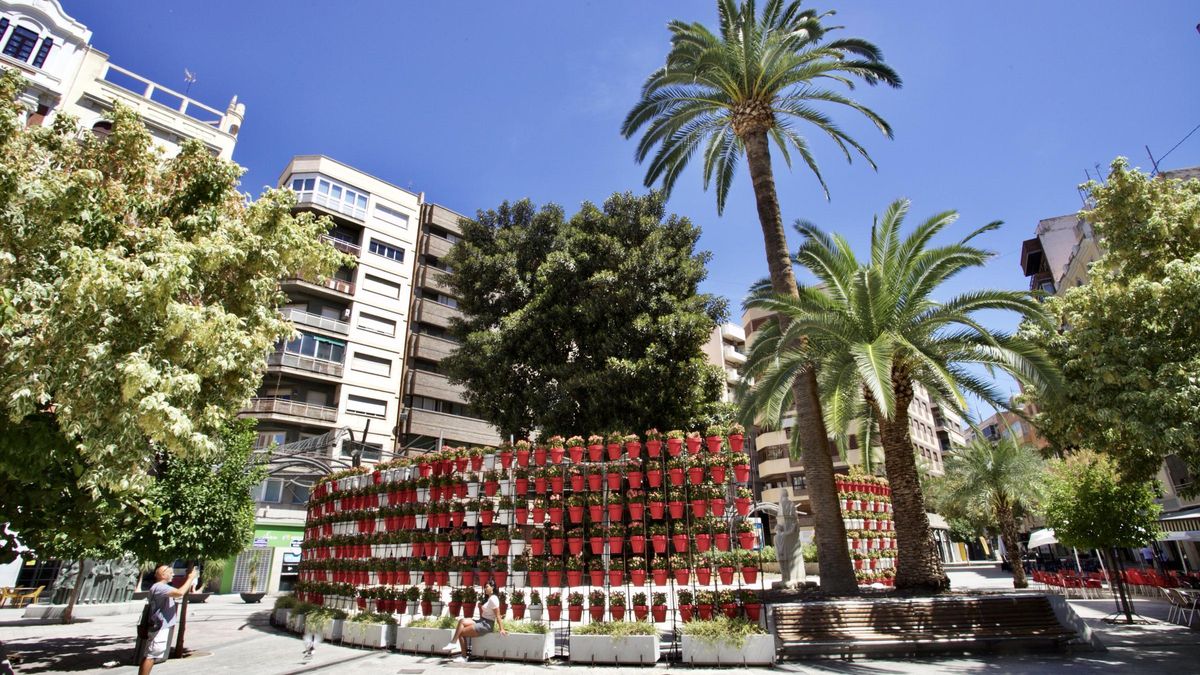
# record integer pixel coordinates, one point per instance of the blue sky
(1004, 107)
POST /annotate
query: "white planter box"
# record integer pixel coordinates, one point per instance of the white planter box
(332, 630)
(454, 578)
(634, 649)
(514, 647)
(535, 612)
(503, 517)
(489, 462)
(517, 547)
(421, 518)
(758, 650)
(281, 617)
(422, 640)
(471, 519)
(486, 547)
(456, 548)
(405, 550)
(295, 623)
(516, 579)
(367, 634)
(473, 490)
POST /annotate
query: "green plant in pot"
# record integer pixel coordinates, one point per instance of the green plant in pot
(253, 596)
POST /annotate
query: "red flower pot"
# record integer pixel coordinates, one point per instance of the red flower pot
(635, 479)
(537, 578)
(614, 451)
(746, 540)
(477, 463)
(460, 490)
(656, 510)
(637, 577)
(699, 508)
(618, 612)
(518, 612)
(574, 545)
(615, 545)
(539, 515)
(703, 542)
(640, 612)
(500, 577)
(725, 574)
(362, 603)
(659, 577)
(705, 612)
(616, 577)
(468, 577)
(614, 512)
(577, 482)
(742, 504)
(594, 480)
(554, 612)
(522, 514)
(713, 443)
(597, 545)
(522, 458)
(490, 488)
(717, 473)
(637, 544)
(539, 485)
(522, 486)
(460, 464)
(575, 513)
(455, 608)
(681, 542)
(716, 507)
(749, 574)
(595, 512)
(695, 475)
(556, 514)
(556, 455)
(721, 541)
(596, 577)
(675, 509)
(736, 441)
(636, 509)
(659, 612)
(596, 611)
(753, 611)
(659, 542)
(575, 613)
(681, 576)
(502, 546)
(703, 575)
(443, 549)
(506, 459)
(539, 456)
(693, 445)
(575, 452)
(554, 578)
(675, 476)
(654, 477)
(575, 577)
(486, 517)
(653, 449)
(731, 610)
(556, 484)
(595, 453)
(556, 546)
(685, 613)
(425, 469)
(633, 449)
(456, 519)
(470, 548)
(614, 480)
(483, 576)
(674, 446)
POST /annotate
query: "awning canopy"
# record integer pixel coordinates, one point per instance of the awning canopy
(1042, 538)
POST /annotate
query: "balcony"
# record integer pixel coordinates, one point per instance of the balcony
(436, 246)
(343, 245)
(432, 348)
(305, 364)
(431, 277)
(302, 318)
(732, 376)
(732, 331)
(435, 313)
(330, 288)
(338, 206)
(733, 356)
(285, 408)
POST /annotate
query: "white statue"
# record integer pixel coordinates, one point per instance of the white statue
(787, 544)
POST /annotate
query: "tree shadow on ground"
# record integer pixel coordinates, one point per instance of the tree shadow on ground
(67, 654)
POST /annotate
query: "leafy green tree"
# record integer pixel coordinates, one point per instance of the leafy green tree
(1091, 505)
(759, 80)
(591, 323)
(139, 298)
(205, 508)
(1129, 356)
(874, 331)
(996, 483)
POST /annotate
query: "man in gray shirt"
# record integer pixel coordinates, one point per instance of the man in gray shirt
(163, 601)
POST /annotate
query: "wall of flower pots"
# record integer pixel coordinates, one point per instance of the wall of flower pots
(866, 503)
(628, 527)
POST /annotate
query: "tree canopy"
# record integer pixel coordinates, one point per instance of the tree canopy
(1130, 353)
(591, 323)
(1090, 505)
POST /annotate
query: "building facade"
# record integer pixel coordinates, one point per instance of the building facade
(726, 349)
(65, 73)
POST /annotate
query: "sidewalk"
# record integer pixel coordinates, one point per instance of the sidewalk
(232, 637)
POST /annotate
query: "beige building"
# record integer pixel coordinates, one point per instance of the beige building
(726, 349)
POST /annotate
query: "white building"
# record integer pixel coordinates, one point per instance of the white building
(339, 379)
(726, 349)
(67, 74)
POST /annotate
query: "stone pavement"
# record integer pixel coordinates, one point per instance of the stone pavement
(231, 637)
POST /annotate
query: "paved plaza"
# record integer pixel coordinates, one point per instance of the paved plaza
(228, 636)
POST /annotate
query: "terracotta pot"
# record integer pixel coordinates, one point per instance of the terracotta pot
(537, 579)
(522, 458)
(577, 482)
(614, 512)
(556, 455)
(717, 473)
(659, 612)
(596, 612)
(736, 441)
(653, 449)
(522, 515)
(674, 446)
(597, 545)
(681, 542)
(539, 456)
(486, 517)
(659, 577)
(506, 459)
(635, 479)
(556, 515)
(695, 475)
(502, 546)
(595, 453)
(699, 508)
(539, 485)
(554, 578)
(685, 613)
(703, 542)
(675, 509)
(616, 577)
(575, 513)
(705, 612)
(614, 480)
(618, 612)
(595, 512)
(675, 476)
(640, 612)
(556, 546)
(596, 577)
(731, 610)
(725, 574)
(742, 504)
(594, 481)
(614, 451)
(749, 574)
(637, 544)
(575, 452)
(537, 547)
(555, 612)
(693, 445)
(716, 507)
(746, 540)
(703, 575)
(656, 510)
(637, 577)
(518, 612)
(574, 545)
(681, 576)
(654, 478)
(468, 609)
(575, 613)
(556, 484)
(539, 515)
(615, 546)
(468, 577)
(427, 607)
(522, 486)
(636, 509)
(575, 577)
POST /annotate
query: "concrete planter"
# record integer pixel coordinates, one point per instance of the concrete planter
(375, 635)
(280, 617)
(758, 650)
(634, 649)
(295, 623)
(812, 569)
(422, 640)
(514, 647)
(332, 630)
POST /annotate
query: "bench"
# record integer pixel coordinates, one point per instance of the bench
(918, 625)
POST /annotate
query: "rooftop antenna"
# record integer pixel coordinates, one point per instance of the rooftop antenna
(190, 78)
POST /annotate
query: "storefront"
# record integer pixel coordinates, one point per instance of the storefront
(276, 549)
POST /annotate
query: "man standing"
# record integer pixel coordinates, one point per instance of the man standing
(163, 600)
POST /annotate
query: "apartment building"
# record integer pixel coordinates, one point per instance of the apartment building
(331, 395)
(65, 73)
(726, 349)
(435, 411)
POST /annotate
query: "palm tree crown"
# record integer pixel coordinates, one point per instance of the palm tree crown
(759, 75)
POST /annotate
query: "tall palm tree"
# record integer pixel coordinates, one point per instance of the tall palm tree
(873, 330)
(733, 93)
(999, 480)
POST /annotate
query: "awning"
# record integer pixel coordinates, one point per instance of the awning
(1189, 535)
(1042, 538)
(1183, 520)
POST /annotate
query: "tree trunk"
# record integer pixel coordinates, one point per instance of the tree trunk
(1125, 603)
(837, 574)
(918, 565)
(178, 653)
(69, 613)
(1008, 531)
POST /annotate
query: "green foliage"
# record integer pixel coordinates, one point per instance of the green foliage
(722, 629)
(809, 552)
(1090, 505)
(441, 622)
(286, 602)
(1129, 356)
(591, 322)
(374, 617)
(206, 509)
(769, 555)
(617, 629)
(527, 627)
(760, 73)
(984, 479)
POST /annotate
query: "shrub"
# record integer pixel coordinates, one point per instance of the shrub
(809, 552)
(732, 632)
(373, 617)
(286, 602)
(528, 627)
(768, 554)
(442, 622)
(617, 629)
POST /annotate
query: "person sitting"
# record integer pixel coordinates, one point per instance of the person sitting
(489, 620)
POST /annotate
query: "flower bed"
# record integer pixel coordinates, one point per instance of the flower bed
(727, 642)
(617, 642)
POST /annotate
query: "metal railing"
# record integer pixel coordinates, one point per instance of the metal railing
(178, 101)
(283, 406)
(331, 283)
(301, 317)
(314, 365)
(343, 245)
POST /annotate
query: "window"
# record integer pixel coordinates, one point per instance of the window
(443, 233)
(422, 328)
(267, 439)
(365, 363)
(425, 365)
(436, 262)
(370, 451)
(439, 298)
(296, 493)
(42, 53)
(270, 491)
(20, 44)
(327, 193)
(376, 324)
(318, 347)
(798, 482)
(392, 252)
(370, 407)
(438, 405)
(391, 216)
(3, 26)
(381, 286)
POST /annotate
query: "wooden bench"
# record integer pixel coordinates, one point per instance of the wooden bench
(903, 626)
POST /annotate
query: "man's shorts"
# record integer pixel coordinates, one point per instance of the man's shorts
(157, 649)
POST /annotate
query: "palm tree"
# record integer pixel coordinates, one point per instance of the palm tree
(873, 331)
(999, 480)
(733, 94)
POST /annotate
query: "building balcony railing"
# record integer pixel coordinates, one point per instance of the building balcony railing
(303, 318)
(732, 376)
(732, 331)
(336, 205)
(343, 245)
(733, 356)
(308, 363)
(339, 286)
(283, 406)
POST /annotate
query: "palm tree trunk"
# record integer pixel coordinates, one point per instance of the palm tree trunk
(918, 565)
(1008, 532)
(837, 574)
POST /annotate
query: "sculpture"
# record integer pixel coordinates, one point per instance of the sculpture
(787, 544)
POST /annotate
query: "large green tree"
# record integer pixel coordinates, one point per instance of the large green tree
(762, 79)
(1090, 504)
(874, 330)
(585, 324)
(138, 298)
(997, 483)
(1129, 354)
